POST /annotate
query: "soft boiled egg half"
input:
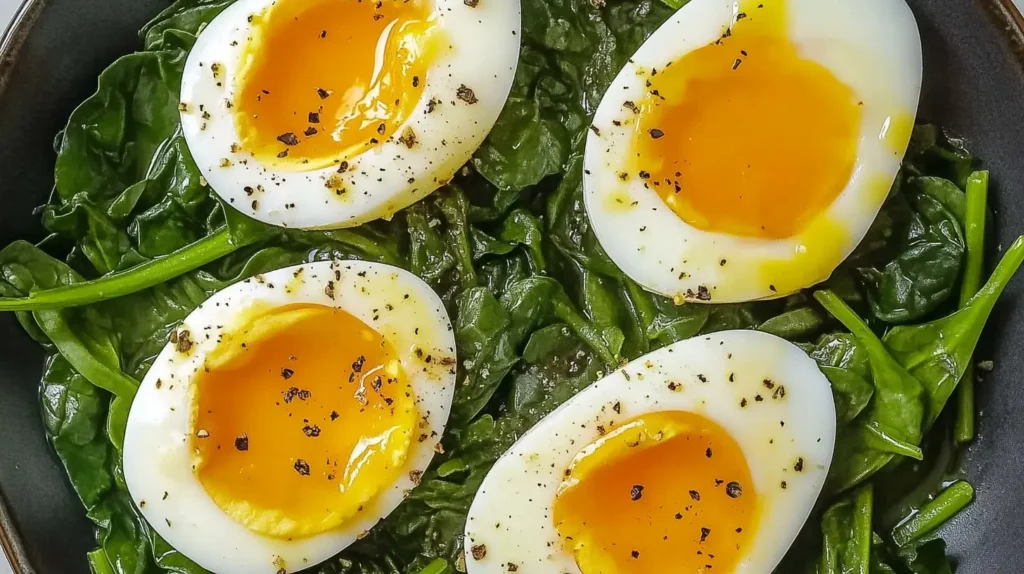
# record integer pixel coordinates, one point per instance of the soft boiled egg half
(704, 456)
(331, 113)
(289, 413)
(747, 146)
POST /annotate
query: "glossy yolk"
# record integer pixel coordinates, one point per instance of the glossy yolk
(664, 492)
(324, 80)
(301, 418)
(746, 137)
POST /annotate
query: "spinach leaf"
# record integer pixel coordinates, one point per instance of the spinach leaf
(523, 147)
(937, 353)
(925, 272)
(845, 363)
(891, 424)
(796, 324)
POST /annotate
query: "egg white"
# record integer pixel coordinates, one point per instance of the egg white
(872, 46)
(511, 515)
(482, 52)
(157, 458)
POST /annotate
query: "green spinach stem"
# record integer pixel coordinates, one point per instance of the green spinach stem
(935, 513)
(977, 211)
(862, 509)
(138, 278)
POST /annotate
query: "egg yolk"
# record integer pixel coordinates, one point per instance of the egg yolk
(664, 492)
(324, 80)
(744, 136)
(300, 418)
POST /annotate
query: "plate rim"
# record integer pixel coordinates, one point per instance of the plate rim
(18, 30)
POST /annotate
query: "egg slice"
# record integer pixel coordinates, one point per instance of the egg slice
(289, 413)
(331, 113)
(746, 147)
(709, 453)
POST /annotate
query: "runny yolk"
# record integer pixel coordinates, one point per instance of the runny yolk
(745, 136)
(323, 80)
(301, 417)
(664, 492)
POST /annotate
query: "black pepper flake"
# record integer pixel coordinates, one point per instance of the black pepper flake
(734, 490)
(302, 467)
(783, 485)
(695, 495)
(329, 289)
(631, 106)
(312, 431)
(743, 403)
(324, 94)
(287, 373)
(768, 384)
(465, 94)
(357, 366)
(334, 415)
(416, 476)
(288, 138)
(799, 466)
(415, 81)
(679, 516)
(408, 138)
(707, 452)
(478, 551)
(182, 340)
(296, 393)
(617, 407)
(657, 134)
(636, 492)
(758, 398)
(381, 128)
(704, 533)
(282, 154)
(471, 3)
(242, 442)
(635, 554)
(310, 131)
(780, 393)
(314, 117)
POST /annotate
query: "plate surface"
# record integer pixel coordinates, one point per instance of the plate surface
(50, 59)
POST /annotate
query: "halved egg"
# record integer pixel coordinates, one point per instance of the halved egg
(331, 113)
(746, 147)
(703, 456)
(289, 413)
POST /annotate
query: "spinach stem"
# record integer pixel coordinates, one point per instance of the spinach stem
(438, 566)
(977, 211)
(862, 508)
(118, 284)
(98, 562)
(935, 513)
(845, 315)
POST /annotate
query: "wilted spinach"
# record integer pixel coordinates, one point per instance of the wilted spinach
(540, 310)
